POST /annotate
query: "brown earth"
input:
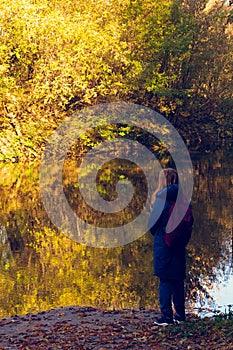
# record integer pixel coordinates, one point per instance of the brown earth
(89, 328)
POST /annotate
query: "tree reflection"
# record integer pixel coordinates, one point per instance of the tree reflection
(211, 246)
(42, 268)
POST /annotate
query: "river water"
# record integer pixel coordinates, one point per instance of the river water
(42, 269)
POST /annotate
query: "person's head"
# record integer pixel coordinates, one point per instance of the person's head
(167, 177)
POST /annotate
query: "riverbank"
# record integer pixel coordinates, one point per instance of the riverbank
(89, 328)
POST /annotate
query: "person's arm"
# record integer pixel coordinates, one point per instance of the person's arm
(168, 193)
(154, 220)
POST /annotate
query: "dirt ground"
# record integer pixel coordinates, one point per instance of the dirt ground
(74, 328)
(86, 328)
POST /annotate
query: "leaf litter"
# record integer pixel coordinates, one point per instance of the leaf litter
(88, 328)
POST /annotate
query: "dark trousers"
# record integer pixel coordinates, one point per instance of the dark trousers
(171, 291)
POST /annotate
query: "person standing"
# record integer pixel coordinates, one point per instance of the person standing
(169, 262)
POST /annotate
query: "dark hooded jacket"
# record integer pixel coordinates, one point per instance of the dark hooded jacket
(169, 263)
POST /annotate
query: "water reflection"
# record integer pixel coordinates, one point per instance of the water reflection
(218, 293)
(212, 241)
(6, 255)
(41, 268)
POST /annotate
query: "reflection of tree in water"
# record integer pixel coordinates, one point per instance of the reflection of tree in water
(210, 256)
(111, 174)
(6, 257)
(207, 266)
(50, 270)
